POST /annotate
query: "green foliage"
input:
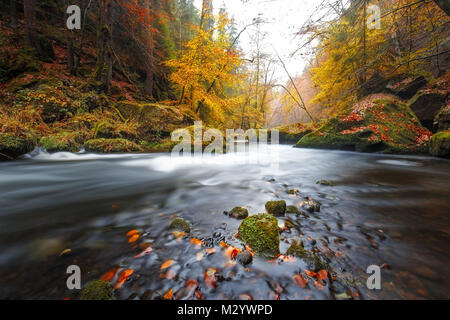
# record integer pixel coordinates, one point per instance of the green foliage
(111, 146)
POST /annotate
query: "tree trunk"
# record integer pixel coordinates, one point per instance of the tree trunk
(30, 24)
(13, 13)
(149, 67)
(103, 70)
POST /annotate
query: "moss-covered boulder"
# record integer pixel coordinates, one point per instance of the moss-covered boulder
(61, 142)
(426, 104)
(276, 208)
(12, 147)
(261, 232)
(442, 119)
(111, 146)
(97, 290)
(239, 213)
(440, 144)
(291, 134)
(379, 123)
(314, 262)
(180, 224)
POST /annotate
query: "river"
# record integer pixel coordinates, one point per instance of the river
(64, 209)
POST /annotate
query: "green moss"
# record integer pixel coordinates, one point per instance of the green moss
(292, 209)
(314, 262)
(97, 290)
(12, 147)
(325, 183)
(291, 134)
(261, 232)
(375, 124)
(61, 142)
(111, 146)
(239, 213)
(276, 208)
(440, 144)
(180, 225)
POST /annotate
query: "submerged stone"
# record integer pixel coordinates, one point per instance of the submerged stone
(180, 225)
(244, 257)
(97, 290)
(261, 232)
(292, 209)
(325, 183)
(276, 208)
(296, 249)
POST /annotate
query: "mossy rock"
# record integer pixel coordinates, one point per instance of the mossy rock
(60, 142)
(239, 213)
(261, 232)
(325, 183)
(276, 208)
(111, 146)
(12, 147)
(97, 290)
(180, 225)
(314, 262)
(159, 146)
(440, 144)
(442, 119)
(292, 209)
(379, 123)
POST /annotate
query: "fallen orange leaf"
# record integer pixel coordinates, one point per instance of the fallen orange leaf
(210, 251)
(123, 276)
(133, 238)
(322, 274)
(132, 233)
(167, 264)
(318, 285)
(192, 284)
(300, 280)
(168, 295)
(146, 251)
(109, 274)
(198, 294)
(223, 244)
(310, 273)
(196, 241)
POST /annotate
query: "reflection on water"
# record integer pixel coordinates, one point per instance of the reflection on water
(383, 210)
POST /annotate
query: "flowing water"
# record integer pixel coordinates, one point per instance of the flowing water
(390, 211)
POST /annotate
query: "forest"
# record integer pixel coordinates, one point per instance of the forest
(92, 91)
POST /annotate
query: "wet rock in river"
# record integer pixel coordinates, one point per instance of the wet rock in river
(12, 147)
(292, 209)
(244, 257)
(276, 208)
(239, 213)
(296, 249)
(310, 206)
(262, 234)
(180, 225)
(325, 183)
(97, 290)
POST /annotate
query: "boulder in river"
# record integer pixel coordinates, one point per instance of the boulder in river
(276, 208)
(12, 147)
(97, 290)
(440, 144)
(61, 142)
(239, 213)
(261, 232)
(378, 123)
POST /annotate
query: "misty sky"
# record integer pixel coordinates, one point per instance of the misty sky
(283, 17)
